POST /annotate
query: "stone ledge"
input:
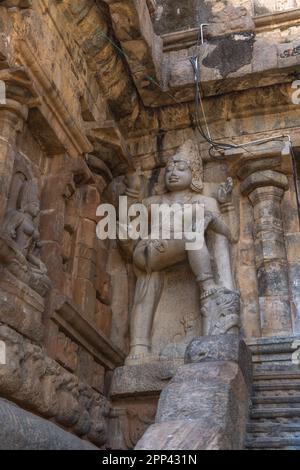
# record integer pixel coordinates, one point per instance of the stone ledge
(143, 379)
(250, 63)
(273, 352)
(73, 322)
(187, 38)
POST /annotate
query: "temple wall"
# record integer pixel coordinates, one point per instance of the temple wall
(90, 99)
(57, 330)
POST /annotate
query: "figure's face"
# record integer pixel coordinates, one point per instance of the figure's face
(178, 175)
(33, 209)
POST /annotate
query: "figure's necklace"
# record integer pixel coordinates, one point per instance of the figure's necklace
(186, 197)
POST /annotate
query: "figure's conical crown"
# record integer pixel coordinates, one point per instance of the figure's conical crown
(29, 194)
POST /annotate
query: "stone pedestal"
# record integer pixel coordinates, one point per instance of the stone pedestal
(206, 404)
(134, 394)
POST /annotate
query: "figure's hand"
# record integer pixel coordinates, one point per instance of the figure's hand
(233, 239)
(43, 268)
(208, 218)
(13, 234)
(225, 191)
(133, 183)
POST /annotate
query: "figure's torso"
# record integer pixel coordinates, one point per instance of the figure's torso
(179, 198)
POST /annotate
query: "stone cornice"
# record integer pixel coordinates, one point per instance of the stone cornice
(271, 157)
(282, 19)
(187, 38)
(142, 47)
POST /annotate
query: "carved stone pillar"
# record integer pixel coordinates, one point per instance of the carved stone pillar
(12, 116)
(265, 190)
(19, 95)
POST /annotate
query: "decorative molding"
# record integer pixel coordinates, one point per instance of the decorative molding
(73, 138)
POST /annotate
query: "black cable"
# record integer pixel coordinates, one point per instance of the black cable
(216, 145)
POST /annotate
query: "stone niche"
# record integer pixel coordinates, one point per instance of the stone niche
(176, 297)
(24, 277)
(177, 319)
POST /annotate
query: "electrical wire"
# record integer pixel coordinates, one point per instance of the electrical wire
(136, 72)
(214, 145)
(198, 96)
(217, 145)
(225, 146)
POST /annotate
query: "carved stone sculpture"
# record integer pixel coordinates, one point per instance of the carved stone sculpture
(151, 257)
(40, 384)
(20, 240)
(220, 312)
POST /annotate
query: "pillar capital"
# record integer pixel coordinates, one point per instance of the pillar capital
(19, 91)
(14, 107)
(13, 115)
(265, 179)
(270, 156)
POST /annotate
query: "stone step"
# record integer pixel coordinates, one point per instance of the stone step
(285, 374)
(272, 443)
(273, 385)
(287, 395)
(273, 413)
(274, 400)
(271, 427)
(269, 365)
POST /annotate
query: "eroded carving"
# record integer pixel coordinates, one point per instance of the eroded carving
(41, 384)
(20, 238)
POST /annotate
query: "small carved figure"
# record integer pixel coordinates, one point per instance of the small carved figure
(21, 227)
(220, 311)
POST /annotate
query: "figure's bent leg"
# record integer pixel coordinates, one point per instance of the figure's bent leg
(156, 255)
(147, 295)
(200, 264)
